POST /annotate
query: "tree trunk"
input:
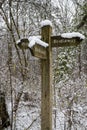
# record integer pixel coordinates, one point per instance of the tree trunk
(4, 117)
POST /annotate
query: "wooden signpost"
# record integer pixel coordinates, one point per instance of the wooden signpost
(46, 82)
(45, 54)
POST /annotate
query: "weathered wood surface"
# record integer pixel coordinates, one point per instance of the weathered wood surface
(58, 41)
(38, 51)
(46, 87)
(23, 44)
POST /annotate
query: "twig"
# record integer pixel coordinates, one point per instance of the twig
(32, 123)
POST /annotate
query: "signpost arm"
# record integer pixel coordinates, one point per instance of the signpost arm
(46, 76)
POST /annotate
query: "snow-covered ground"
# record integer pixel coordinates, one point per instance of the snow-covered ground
(28, 116)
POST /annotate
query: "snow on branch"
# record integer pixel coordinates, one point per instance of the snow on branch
(18, 41)
(1, 2)
(45, 23)
(73, 35)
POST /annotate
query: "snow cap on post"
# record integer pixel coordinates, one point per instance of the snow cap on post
(46, 23)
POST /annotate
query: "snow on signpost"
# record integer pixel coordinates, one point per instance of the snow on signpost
(37, 47)
(67, 39)
(73, 35)
(35, 44)
(46, 23)
(35, 40)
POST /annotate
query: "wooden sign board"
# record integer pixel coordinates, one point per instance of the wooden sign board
(58, 41)
(38, 51)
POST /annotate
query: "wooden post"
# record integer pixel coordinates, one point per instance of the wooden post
(46, 87)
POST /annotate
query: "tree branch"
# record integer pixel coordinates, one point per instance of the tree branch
(32, 123)
(1, 2)
(83, 22)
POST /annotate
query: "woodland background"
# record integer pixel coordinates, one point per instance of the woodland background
(20, 77)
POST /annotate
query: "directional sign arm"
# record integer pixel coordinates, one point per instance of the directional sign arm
(58, 41)
(38, 51)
